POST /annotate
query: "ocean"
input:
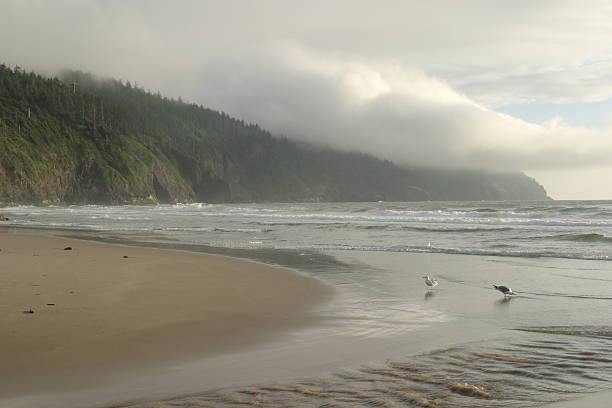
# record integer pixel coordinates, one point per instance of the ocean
(387, 340)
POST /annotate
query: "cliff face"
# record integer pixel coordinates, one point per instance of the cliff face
(80, 140)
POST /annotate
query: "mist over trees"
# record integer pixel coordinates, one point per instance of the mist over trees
(79, 139)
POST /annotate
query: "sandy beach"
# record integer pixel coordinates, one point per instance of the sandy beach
(167, 328)
(101, 311)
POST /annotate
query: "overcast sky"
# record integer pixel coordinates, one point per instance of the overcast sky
(517, 85)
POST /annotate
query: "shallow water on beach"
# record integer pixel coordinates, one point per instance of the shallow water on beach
(524, 373)
(474, 348)
(385, 340)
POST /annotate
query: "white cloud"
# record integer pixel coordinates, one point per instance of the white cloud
(587, 82)
(382, 108)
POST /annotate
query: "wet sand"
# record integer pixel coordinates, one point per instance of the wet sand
(388, 341)
(104, 311)
(594, 400)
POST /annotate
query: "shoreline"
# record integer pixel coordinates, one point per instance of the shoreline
(102, 309)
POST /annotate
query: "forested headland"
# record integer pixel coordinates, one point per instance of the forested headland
(78, 139)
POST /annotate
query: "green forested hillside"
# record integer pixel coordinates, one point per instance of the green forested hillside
(82, 140)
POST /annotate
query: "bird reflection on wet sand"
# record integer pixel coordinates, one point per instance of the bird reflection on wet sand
(505, 301)
(429, 294)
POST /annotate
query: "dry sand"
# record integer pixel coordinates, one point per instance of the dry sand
(104, 310)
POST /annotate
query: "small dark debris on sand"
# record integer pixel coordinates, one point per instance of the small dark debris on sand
(28, 311)
(68, 249)
(125, 256)
(50, 304)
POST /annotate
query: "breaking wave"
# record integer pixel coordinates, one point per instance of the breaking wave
(592, 237)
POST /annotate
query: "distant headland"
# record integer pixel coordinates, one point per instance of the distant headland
(76, 139)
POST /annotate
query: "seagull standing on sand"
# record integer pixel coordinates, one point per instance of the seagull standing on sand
(504, 289)
(431, 282)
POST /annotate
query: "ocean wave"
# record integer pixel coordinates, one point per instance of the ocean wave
(478, 217)
(79, 226)
(548, 211)
(485, 229)
(588, 331)
(499, 252)
(592, 237)
(433, 214)
(378, 227)
(213, 229)
(59, 225)
(584, 237)
(533, 209)
(252, 211)
(487, 210)
(431, 229)
(450, 229)
(557, 209)
(578, 209)
(118, 218)
(185, 229)
(244, 230)
(422, 218)
(315, 224)
(191, 205)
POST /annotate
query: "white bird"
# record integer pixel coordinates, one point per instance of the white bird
(506, 290)
(429, 281)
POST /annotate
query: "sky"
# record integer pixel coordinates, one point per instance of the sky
(502, 85)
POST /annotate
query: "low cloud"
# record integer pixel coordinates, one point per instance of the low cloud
(388, 110)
